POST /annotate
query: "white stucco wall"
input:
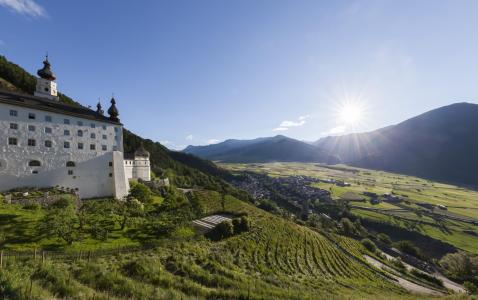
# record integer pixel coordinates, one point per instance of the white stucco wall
(91, 175)
(46, 88)
(139, 168)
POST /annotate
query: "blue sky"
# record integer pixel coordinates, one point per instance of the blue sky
(197, 72)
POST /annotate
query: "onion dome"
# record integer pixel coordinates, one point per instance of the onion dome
(113, 111)
(46, 72)
(141, 152)
(99, 109)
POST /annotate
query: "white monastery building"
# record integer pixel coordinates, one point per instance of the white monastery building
(47, 143)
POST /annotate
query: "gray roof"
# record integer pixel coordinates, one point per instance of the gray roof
(54, 106)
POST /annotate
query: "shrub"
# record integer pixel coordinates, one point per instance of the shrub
(367, 243)
(221, 231)
(241, 224)
(383, 238)
(32, 206)
(52, 278)
(460, 265)
(470, 288)
(408, 248)
(397, 262)
(426, 277)
(347, 227)
(141, 192)
(63, 202)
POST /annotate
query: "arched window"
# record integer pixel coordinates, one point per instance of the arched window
(34, 163)
(70, 164)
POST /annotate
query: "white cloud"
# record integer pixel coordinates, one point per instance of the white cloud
(335, 130)
(280, 129)
(189, 137)
(292, 123)
(165, 142)
(285, 125)
(212, 141)
(25, 7)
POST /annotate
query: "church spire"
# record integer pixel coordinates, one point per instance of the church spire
(46, 72)
(99, 109)
(113, 111)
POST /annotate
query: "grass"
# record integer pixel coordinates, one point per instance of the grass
(460, 201)
(276, 259)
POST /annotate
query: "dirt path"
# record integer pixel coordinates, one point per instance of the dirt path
(408, 285)
(457, 288)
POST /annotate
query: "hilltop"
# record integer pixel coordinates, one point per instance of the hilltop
(440, 144)
(277, 148)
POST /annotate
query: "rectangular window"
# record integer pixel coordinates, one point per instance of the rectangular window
(66, 145)
(80, 146)
(93, 135)
(13, 113)
(12, 141)
(80, 123)
(31, 128)
(70, 172)
(110, 163)
(13, 126)
(31, 116)
(93, 125)
(47, 129)
(47, 118)
(80, 132)
(66, 132)
(111, 174)
(104, 148)
(66, 121)
(104, 136)
(35, 172)
(48, 144)
(32, 142)
(104, 127)
(92, 147)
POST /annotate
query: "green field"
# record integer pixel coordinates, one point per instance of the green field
(459, 201)
(276, 259)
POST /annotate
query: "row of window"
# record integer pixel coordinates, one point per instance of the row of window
(69, 164)
(49, 119)
(48, 144)
(66, 132)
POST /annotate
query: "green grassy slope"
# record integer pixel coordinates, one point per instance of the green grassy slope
(277, 259)
(460, 201)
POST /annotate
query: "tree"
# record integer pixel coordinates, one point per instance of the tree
(241, 224)
(347, 227)
(367, 243)
(382, 237)
(129, 210)
(141, 192)
(61, 222)
(408, 248)
(460, 265)
(223, 230)
(470, 288)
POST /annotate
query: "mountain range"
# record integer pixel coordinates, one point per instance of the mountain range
(441, 144)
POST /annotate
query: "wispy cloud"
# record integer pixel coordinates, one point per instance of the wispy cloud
(25, 7)
(165, 142)
(285, 125)
(189, 137)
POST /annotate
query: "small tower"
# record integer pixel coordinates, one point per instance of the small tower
(142, 167)
(113, 111)
(99, 109)
(46, 85)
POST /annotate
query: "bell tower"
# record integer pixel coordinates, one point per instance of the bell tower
(46, 85)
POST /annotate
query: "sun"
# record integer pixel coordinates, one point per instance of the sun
(350, 113)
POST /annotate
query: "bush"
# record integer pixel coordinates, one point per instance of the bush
(221, 231)
(32, 206)
(408, 248)
(241, 224)
(63, 202)
(426, 277)
(141, 192)
(383, 238)
(367, 243)
(347, 227)
(470, 288)
(397, 263)
(460, 265)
